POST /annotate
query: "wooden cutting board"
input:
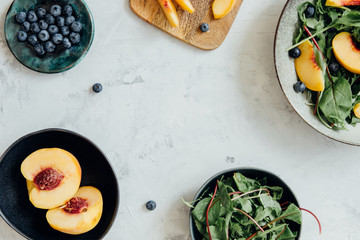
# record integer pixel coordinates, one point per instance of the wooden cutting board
(188, 31)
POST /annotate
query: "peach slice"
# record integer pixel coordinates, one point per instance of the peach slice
(185, 5)
(307, 68)
(346, 52)
(221, 8)
(79, 215)
(53, 176)
(170, 12)
(342, 3)
(357, 110)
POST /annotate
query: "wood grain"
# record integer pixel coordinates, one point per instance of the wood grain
(188, 31)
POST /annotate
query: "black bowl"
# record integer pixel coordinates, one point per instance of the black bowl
(272, 180)
(30, 222)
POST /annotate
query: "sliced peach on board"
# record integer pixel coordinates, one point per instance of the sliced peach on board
(170, 12)
(346, 52)
(79, 215)
(342, 3)
(307, 68)
(53, 176)
(221, 8)
(185, 5)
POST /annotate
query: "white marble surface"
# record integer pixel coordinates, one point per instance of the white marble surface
(170, 116)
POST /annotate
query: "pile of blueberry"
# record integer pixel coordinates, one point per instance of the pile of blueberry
(47, 30)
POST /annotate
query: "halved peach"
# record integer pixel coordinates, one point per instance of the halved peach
(53, 176)
(341, 3)
(307, 68)
(79, 215)
(221, 8)
(346, 52)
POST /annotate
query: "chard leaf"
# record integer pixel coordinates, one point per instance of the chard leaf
(200, 209)
(225, 199)
(214, 212)
(292, 213)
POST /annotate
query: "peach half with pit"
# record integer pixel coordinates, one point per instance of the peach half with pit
(53, 176)
(342, 3)
(346, 52)
(80, 214)
(308, 69)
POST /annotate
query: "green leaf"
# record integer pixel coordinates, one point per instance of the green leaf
(268, 202)
(225, 199)
(200, 209)
(245, 184)
(292, 213)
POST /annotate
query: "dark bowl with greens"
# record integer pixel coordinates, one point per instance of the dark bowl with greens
(246, 201)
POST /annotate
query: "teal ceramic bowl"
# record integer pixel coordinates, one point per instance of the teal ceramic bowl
(61, 60)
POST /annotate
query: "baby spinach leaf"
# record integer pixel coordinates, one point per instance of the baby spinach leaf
(268, 202)
(292, 213)
(199, 211)
(225, 199)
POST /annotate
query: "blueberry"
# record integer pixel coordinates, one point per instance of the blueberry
(26, 26)
(74, 37)
(76, 26)
(57, 38)
(204, 27)
(49, 47)
(69, 20)
(309, 12)
(67, 10)
(55, 10)
(299, 87)
(150, 205)
(97, 87)
(44, 35)
(43, 25)
(66, 43)
(39, 49)
(22, 36)
(53, 29)
(40, 12)
(31, 17)
(49, 19)
(60, 21)
(32, 40)
(35, 27)
(334, 67)
(20, 17)
(65, 30)
(295, 52)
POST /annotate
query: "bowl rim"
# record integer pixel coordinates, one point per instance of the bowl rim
(73, 64)
(88, 141)
(282, 89)
(223, 172)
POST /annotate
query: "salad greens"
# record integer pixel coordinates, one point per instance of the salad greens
(242, 209)
(334, 106)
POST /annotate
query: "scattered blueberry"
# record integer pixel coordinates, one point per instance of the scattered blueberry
(39, 49)
(40, 12)
(97, 87)
(151, 205)
(32, 40)
(204, 27)
(35, 27)
(20, 17)
(67, 10)
(44, 35)
(334, 67)
(43, 25)
(295, 52)
(74, 37)
(66, 43)
(76, 26)
(25, 26)
(69, 20)
(53, 29)
(31, 17)
(49, 19)
(49, 47)
(309, 12)
(299, 87)
(55, 10)
(57, 38)
(60, 21)
(22, 36)
(65, 30)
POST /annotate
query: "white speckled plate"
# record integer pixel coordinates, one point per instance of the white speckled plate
(287, 77)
